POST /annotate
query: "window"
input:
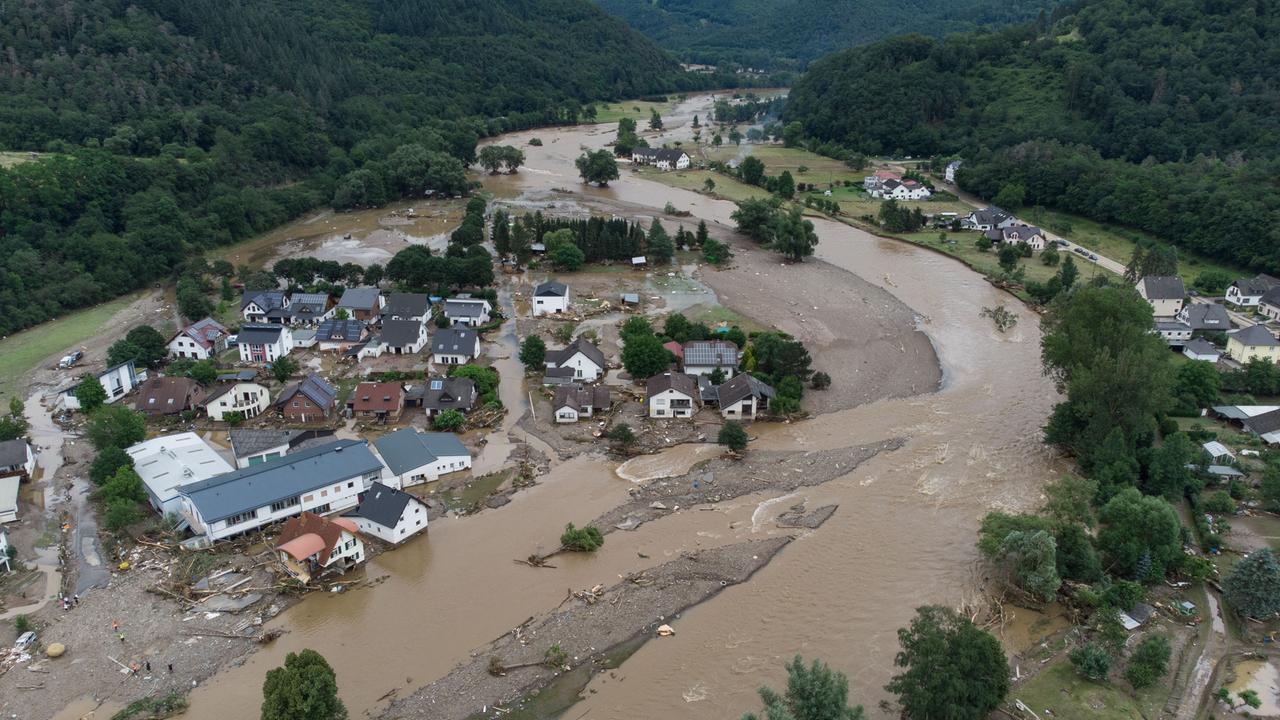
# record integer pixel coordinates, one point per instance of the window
(324, 493)
(242, 517)
(286, 503)
(351, 484)
(321, 509)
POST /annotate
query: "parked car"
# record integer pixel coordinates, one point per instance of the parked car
(25, 640)
(70, 359)
(1061, 243)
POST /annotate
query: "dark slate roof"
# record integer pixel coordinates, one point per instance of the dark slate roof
(167, 394)
(1256, 285)
(1200, 346)
(248, 441)
(580, 398)
(464, 307)
(454, 341)
(672, 381)
(1162, 287)
(710, 353)
(360, 298)
(407, 449)
(1271, 297)
(383, 505)
(1254, 336)
(266, 299)
(334, 330)
(258, 334)
(990, 215)
(1023, 232)
(13, 452)
(1205, 316)
(314, 387)
(742, 386)
(220, 497)
(447, 393)
(207, 332)
(400, 332)
(407, 304)
(238, 376)
(551, 288)
(1265, 423)
(581, 345)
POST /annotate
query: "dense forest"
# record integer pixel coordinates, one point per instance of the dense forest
(787, 34)
(1157, 114)
(172, 126)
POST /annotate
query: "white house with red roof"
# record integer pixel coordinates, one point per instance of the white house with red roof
(200, 340)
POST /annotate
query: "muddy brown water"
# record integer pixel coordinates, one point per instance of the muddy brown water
(903, 535)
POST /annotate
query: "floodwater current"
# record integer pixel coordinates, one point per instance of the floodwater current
(903, 535)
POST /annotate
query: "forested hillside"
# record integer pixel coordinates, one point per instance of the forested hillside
(1159, 114)
(177, 125)
(786, 34)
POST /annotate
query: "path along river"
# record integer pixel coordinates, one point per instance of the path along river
(903, 536)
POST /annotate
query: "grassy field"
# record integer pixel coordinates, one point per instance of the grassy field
(1060, 689)
(10, 158)
(776, 158)
(855, 202)
(726, 187)
(20, 353)
(638, 110)
(988, 262)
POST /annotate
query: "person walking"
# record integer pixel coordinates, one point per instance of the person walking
(170, 668)
(148, 666)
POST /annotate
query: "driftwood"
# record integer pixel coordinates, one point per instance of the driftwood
(535, 561)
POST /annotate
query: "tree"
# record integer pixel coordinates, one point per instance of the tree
(751, 170)
(90, 393)
(120, 514)
(1011, 196)
(1196, 385)
(779, 355)
(124, 484)
(1168, 474)
(1253, 587)
(950, 669)
(1050, 256)
(621, 434)
(735, 136)
(1077, 558)
(115, 426)
(1070, 500)
(498, 157)
(715, 252)
(107, 462)
(655, 120)
(1136, 526)
(1032, 557)
(820, 381)
(284, 368)
(1091, 662)
(700, 236)
(786, 186)
(659, 245)
(597, 167)
(143, 344)
(1008, 258)
(793, 235)
(567, 257)
(708, 186)
(304, 688)
(1149, 661)
(533, 352)
(203, 372)
(643, 356)
(813, 693)
(733, 436)
(634, 326)
(584, 539)
(448, 421)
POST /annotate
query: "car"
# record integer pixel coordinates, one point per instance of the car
(1078, 250)
(1093, 257)
(70, 359)
(1061, 243)
(25, 640)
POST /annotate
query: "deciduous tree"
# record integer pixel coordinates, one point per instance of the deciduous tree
(951, 670)
(304, 688)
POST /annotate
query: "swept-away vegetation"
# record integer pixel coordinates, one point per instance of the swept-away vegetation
(1150, 115)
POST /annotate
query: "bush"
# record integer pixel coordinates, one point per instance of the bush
(107, 463)
(1149, 661)
(586, 539)
(120, 514)
(821, 381)
(1091, 662)
(1218, 502)
(448, 421)
(733, 436)
(621, 433)
(533, 352)
(22, 624)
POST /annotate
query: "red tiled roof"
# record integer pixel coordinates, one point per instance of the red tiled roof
(377, 397)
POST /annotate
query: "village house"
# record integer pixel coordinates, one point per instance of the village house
(988, 218)
(1201, 349)
(574, 402)
(339, 335)
(238, 392)
(261, 344)
(1023, 235)
(1248, 292)
(381, 401)
(401, 337)
(1265, 425)
(1175, 333)
(455, 346)
(200, 340)
(324, 479)
(169, 462)
(310, 400)
(256, 305)
(672, 395)
(550, 298)
(901, 190)
(167, 395)
(390, 515)
(873, 182)
(438, 394)
(743, 397)
(254, 446)
(413, 457)
(309, 544)
(303, 310)
(117, 380)
(703, 357)
(1269, 304)
(17, 459)
(1164, 293)
(1253, 342)
(471, 312)
(362, 303)
(407, 306)
(586, 360)
(1205, 317)
(950, 173)
(661, 158)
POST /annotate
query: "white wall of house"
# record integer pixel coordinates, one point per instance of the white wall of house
(700, 370)
(744, 409)
(412, 348)
(550, 305)
(1165, 308)
(567, 414)
(671, 403)
(1269, 310)
(429, 472)
(349, 550)
(250, 399)
(411, 522)
(1207, 357)
(118, 382)
(27, 466)
(584, 368)
(321, 501)
(268, 352)
(260, 457)
(1235, 297)
(183, 346)
(443, 359)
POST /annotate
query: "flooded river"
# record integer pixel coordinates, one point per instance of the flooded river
(903, 535)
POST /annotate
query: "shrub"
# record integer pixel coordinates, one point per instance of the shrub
(585, 539)
(22, 624)
(821, 381)
(120, 514)
(733, 436)
(621, 433)
(448, 421)
(1091, 662)
(1149, 661)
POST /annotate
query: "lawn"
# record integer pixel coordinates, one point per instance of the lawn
(988, 262)
(726, 187)
(1058, 688)
(855, 202)
(776, 158)
(638, 110)
(10, 158)
(22, 352)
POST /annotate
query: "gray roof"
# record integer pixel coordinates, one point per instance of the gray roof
(581, 345)
(1257, 285)
(1255, 336)
(742, 386)
(679, 382)
(1022, 231)
(349, 330)
(580, 398)
(454, 393)
(407, 449)
(551, 288)
(710, 353)
(383, 505)
(1200, 346)
(248, 441)
(668, 154)
(314, 387)
(465, 307)
(220, 497)
(1262, 424)
(360, 298)
(400, 332)
(990, 215)
(1163, 287)
(454, 341)
(266, 299)
(13, 452)
(1205, 316)
(258, 334)
(1141, 612)
(1271, 297)
(1172, 326)
(407, 304)
(309, 298)
(238, 376)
